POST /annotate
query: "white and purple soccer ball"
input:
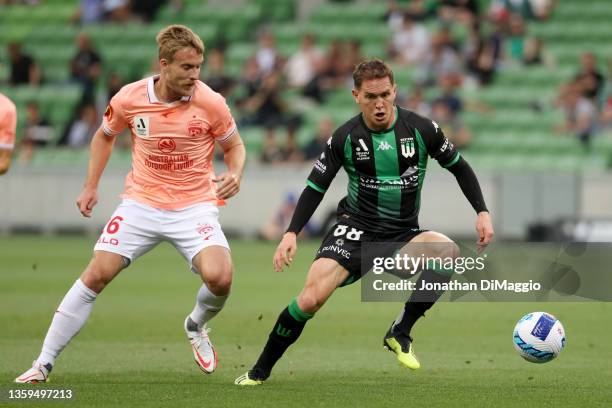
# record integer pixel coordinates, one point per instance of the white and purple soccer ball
(539, 337)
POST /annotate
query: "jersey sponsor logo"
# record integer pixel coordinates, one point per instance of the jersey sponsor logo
(339, 242)
(407, 146)
(363, 145)
(336, 249)
(403, 183)
(320, 167)
(195, 127)
(141, 126)
(447, 145)
(436, 126)
(384, 146)
(166, 145)
(362, 152)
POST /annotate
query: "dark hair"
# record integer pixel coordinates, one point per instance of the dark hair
(371, 69)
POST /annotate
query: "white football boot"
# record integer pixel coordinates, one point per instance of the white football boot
(204, 352)
(37, 374)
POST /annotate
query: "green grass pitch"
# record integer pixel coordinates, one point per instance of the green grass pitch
(133, 351)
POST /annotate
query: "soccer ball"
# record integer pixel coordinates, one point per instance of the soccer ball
(539, 337)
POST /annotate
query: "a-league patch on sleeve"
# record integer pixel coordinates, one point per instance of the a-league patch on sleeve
(108, 113)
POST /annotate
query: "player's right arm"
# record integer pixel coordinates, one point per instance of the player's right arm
(100, 151)
(101, 148)
(319, 180)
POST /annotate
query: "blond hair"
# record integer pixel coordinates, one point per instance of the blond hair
(176, 37)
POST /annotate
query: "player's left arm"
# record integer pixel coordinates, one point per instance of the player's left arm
(441, 149)
(234, 155)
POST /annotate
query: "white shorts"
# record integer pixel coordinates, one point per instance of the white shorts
(136, 228)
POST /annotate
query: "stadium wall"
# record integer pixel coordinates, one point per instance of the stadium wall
(43, 200)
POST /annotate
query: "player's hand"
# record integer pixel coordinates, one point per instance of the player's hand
(86, 201)
(228, 185)
(285, 251)
(484, 227)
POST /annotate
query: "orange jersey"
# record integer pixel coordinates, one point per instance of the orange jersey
(173, 143)
(8, 123)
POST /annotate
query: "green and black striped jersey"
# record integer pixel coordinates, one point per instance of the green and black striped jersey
(385, 169)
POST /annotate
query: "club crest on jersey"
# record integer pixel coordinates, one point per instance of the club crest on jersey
(166, 145)
(141, 126)
(195, 127)
(407, 145)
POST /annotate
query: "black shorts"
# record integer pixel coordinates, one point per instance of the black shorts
(343, 243)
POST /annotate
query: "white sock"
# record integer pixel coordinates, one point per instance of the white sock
(207, 306)
(68, 320)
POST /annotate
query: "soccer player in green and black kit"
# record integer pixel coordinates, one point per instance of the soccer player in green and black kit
(384, 151)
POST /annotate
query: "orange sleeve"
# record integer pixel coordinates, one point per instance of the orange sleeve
(8, 126)
(223, 125)
(114, 121)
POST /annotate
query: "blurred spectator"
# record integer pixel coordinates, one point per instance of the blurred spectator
(118, 11)
(464, 12)
(516, 37)
(267, 56)
(580, 112)
(37, 132)
(81, 131)
(442, 60)
(274, 229)
(535, 54)
(263, 106)
(448, 85)
(291, 152)
(480, 58)
(317, 145)
(591, 79)
(146, 9)
(301, 67)
(450, 124)
(416, 103)
(501, 9)
(394, 15)
(113, 85)
(353, 55)
(88, 12)
(86, 67)
(542, 9)
(216, 76)
(24, 69)
(410, 44)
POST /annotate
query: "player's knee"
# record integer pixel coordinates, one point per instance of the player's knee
(308, 301)
(445, 249)
(219, 280)
(96, 277)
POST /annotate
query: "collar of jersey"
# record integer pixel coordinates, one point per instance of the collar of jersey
(153, 97)
(380, 132)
